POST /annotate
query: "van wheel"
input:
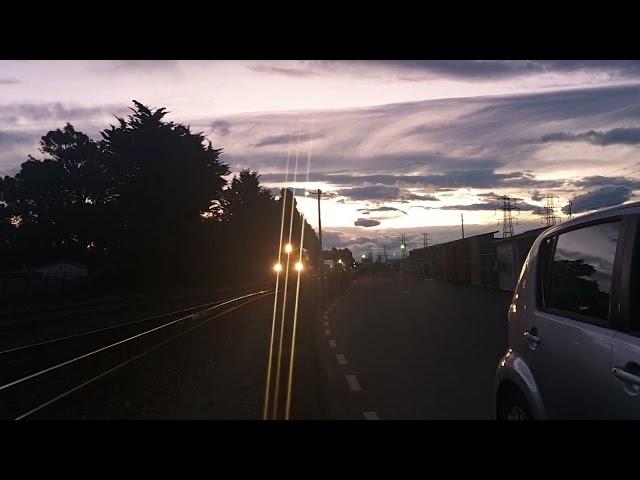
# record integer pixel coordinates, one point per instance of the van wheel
(513, 406)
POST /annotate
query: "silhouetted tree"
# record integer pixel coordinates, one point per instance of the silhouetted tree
(166, 179)
(148, 203)
(55, 202)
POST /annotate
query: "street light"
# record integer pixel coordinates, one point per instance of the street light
(364, 256)
(299, 266)
(277, 267)
(288, 248)
(402, 246)
(340, 261)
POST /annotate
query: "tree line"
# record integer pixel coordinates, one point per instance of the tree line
(148, 203)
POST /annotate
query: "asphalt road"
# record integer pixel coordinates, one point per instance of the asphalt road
(389, 347)
(408, 348)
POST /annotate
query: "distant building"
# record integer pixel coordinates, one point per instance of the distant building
(63, 268)
(512, 252)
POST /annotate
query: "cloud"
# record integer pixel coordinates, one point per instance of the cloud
(623, 136)
(275, 140)
(10, 139)
(136, 66)
(442, 182)
(471, 70)
(601, 198)
(220, 127)
(366, 211)
(602, 181)
(487, 140)
(293, 72)
(536, 196)
(365, 222)
(382, 193)
(15, 145)
(287, 139)
(523, 206)
(56, 112)
(9, 81)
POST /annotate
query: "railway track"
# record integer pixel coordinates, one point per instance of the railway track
(37, 374)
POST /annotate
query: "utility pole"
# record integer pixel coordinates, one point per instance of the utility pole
(384, 250)
(403, 246)
(462, 218)
(319, 193)
(507, 204)
(403, 252)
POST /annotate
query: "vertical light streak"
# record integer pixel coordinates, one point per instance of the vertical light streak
(286, 284)
(275, 299)
(295, 310)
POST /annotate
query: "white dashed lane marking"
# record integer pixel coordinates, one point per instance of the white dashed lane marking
(326, 324)
(341, 359)
(370, 416)
(332, 343)
(327, 332)
(354, 385)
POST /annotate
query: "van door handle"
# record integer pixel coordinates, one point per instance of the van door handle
(625, 376)
(532, 336)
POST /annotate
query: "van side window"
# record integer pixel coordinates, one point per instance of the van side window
(634, 287)
(581, 272)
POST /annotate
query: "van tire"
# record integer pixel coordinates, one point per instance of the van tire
(513, 406)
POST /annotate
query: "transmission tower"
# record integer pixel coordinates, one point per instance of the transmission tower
(425, 240)
(384, 250)
(507, 204)
(569, 209)
(548, 211)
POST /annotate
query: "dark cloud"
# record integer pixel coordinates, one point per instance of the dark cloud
(449, 180)
(536, 196)
(600, 198)
(286, 71)
(422, 206)
(624, 136)
(366, 211)
(275, 140)
(476, 70)
(366, 222)
(287, 138)
(602, 181)
(523, 206)
(221, 127)
(14, 148)
(136, 66)
(11, 139)
(382, 193)
(9, 81)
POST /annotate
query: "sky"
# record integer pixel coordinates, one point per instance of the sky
(397, 146)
